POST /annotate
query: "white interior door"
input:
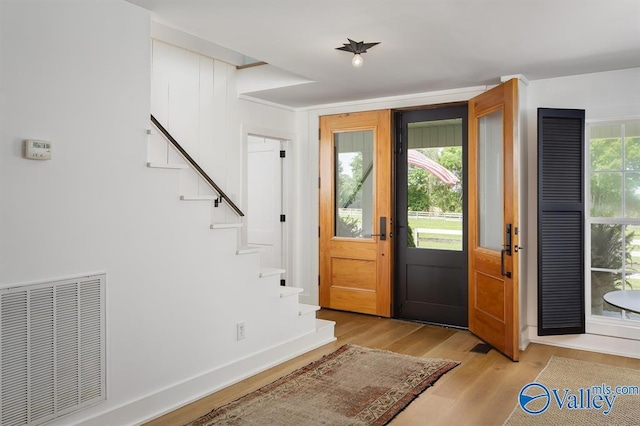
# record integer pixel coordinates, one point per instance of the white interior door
(264, 204)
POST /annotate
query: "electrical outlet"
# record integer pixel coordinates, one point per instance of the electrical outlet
(240, 330)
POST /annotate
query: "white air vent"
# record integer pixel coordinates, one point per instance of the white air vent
(51, 348)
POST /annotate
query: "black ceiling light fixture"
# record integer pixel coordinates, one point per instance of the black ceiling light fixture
(357, 48)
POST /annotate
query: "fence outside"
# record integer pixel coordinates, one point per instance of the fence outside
(411, 214)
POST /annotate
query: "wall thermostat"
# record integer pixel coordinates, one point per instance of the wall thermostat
(37, 150)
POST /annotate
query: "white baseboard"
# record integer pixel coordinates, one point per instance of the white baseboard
(167, 400)
(589, 342)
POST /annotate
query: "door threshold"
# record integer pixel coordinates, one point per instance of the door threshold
(436, 324)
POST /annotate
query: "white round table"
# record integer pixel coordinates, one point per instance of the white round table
(628, 300)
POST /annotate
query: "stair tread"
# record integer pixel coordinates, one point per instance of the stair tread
(197, 197)
(226, 225)
(250, 249)
(303, 308)
(289, 291)
(321, 323)
(167, 166)
(266, 272)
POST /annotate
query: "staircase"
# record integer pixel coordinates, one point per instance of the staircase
(293, 320)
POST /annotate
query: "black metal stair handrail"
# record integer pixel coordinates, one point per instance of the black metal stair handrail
(195, 165)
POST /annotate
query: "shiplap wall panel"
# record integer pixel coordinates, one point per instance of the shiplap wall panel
(206, 130)
(190, 98)
(440, 134)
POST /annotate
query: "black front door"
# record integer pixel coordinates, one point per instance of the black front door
(431, 224)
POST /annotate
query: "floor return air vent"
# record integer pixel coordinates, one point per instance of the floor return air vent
(52, 349)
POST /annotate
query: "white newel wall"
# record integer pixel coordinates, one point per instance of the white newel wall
(78, 74)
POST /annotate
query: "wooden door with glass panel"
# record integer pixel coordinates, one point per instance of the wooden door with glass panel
(493, 218)
(355, 212)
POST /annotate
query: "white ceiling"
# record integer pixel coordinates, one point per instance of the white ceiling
(426, 45)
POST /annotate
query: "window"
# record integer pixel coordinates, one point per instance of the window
(613, 213)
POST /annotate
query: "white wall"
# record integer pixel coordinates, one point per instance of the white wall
(77, 73)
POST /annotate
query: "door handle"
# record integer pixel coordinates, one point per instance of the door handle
(502, 271)
(383, 229)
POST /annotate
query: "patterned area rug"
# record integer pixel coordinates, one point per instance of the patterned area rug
(571, 392)
(351, 386)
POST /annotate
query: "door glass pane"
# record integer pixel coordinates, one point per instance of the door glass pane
(354, 184)
(434, 184)
(490, 189)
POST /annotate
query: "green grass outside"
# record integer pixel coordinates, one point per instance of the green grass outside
(434, 240)
(437, 224)
(440, 244)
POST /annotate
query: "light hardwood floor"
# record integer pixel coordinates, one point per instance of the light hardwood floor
(481, 391)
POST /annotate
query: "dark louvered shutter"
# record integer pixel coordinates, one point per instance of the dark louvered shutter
(561, 221)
